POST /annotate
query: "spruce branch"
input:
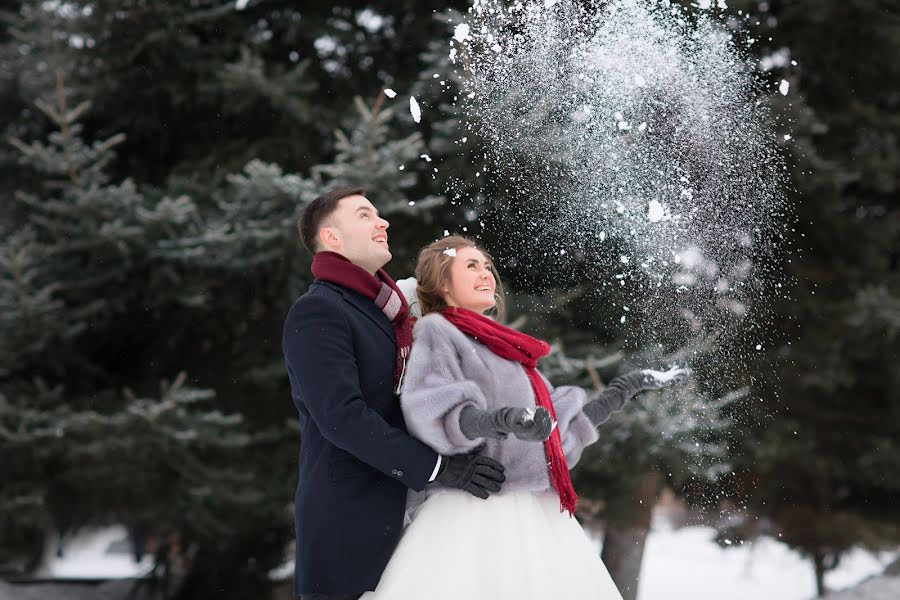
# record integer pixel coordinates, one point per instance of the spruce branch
(64, 123)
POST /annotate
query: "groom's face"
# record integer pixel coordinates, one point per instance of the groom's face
(357, 232)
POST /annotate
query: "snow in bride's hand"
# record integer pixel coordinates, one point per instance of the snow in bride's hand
(673, 376)
(533, 425)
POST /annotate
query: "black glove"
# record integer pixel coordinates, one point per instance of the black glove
(473, 473)
(625, 387)
(526, 424)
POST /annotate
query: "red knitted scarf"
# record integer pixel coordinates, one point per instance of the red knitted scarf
(513, 345)
(336, 268)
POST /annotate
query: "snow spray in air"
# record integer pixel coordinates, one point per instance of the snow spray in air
(644, 124)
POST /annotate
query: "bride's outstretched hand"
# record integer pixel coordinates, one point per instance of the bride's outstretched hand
(625, 387)
(654, 380)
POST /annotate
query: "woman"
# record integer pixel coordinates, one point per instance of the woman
(469, 384)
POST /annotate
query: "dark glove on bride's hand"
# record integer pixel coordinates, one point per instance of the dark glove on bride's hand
(531, 425)
(479, 475)
(623, 388)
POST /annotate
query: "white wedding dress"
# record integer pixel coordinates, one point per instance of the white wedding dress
(516, 546)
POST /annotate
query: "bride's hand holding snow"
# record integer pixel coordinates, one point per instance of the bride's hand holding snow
(654, 380)
(625, 387)
(531, 425)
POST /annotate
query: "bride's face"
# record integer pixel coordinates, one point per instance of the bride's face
(472, 283)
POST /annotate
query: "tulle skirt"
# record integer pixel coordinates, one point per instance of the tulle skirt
(511, 546)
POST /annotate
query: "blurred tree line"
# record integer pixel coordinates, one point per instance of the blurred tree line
(155, 158)
(828, 461)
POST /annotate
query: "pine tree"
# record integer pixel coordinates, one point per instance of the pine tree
(85, 444)
(366, 153)
(827, 459)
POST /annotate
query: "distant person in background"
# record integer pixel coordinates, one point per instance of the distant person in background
(472, 382)
(346, 342)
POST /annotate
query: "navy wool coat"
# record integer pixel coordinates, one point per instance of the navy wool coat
(356, 459)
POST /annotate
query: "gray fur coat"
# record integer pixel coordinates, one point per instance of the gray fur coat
(448, 371)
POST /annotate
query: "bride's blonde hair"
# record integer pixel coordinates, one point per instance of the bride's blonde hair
(433, 273)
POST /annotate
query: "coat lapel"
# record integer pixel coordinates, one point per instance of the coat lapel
(366, 307)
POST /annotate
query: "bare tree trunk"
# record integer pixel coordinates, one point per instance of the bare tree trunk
(823, 487)
(623, 540)
(819, 564)
(623, 549)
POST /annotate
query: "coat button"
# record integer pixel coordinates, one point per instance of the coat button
(399, 473)
(394, 472)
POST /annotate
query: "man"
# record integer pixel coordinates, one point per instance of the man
(345, 345)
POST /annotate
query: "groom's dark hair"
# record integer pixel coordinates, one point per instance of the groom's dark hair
(318, 211)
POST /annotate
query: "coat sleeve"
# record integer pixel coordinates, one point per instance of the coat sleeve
(436, 391)
(575, 429)
(318, 349)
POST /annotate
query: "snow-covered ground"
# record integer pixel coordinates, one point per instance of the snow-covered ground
(679, 564)
(94, 554)
(686, 564)
(876, 588)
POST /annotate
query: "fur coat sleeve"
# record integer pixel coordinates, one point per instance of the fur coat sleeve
(575, 429)
(437, 389)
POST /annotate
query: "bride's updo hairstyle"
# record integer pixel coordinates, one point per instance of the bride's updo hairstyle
(433, 274)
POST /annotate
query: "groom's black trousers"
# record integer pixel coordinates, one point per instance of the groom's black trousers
(327, 597)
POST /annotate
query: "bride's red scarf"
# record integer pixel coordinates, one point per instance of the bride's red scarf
(513, 345)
